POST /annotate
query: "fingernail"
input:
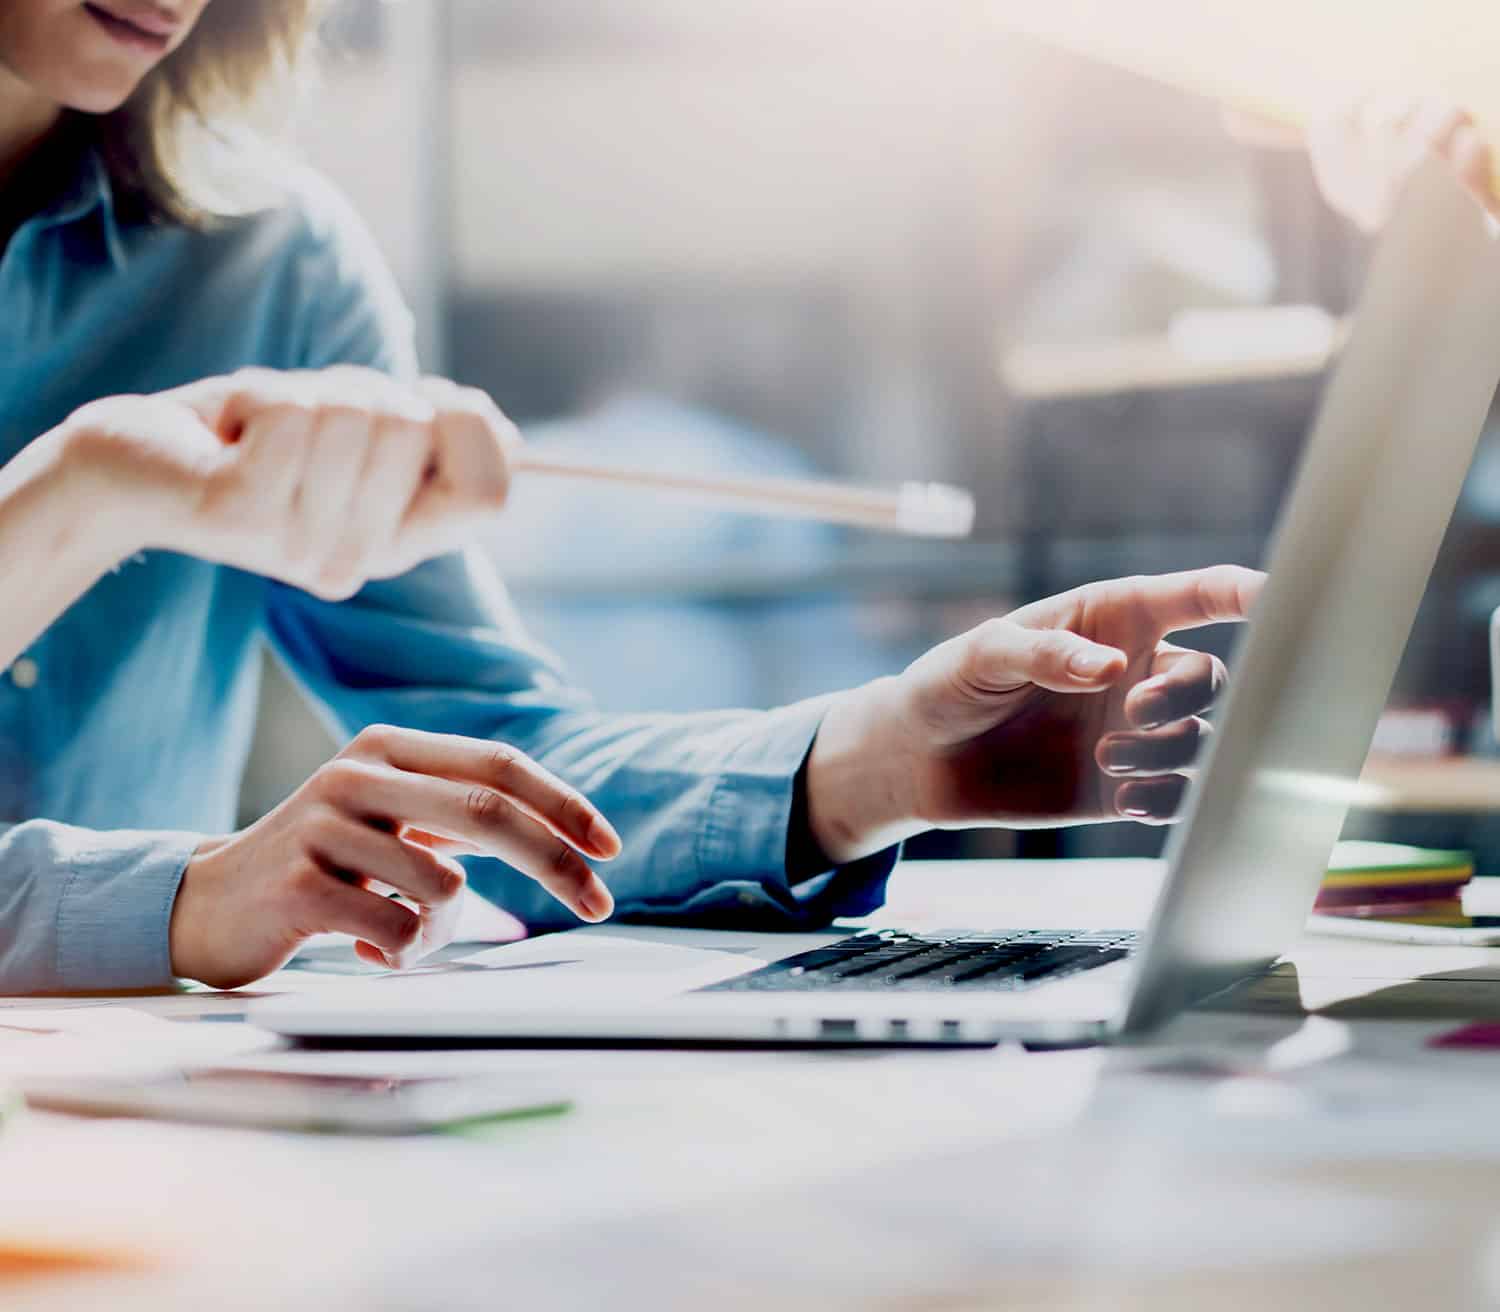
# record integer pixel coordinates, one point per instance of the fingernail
(602, 836)
(1088, 664)
(1120, 759)
(596, 903)
(1136, 812)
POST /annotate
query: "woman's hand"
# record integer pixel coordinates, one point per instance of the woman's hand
(1363, 155)
(385, 814)
(324, 480)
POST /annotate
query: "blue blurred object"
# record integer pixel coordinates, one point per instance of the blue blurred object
(651, 601)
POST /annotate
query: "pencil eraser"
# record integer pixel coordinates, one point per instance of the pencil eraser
(935, 510)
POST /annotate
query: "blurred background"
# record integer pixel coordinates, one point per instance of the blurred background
(876, 241)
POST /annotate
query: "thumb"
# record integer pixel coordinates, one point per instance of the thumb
(210, 400)
(162, 422)
(1004, 656)
(228, 403)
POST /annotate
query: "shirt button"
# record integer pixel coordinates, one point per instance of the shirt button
(24, 673)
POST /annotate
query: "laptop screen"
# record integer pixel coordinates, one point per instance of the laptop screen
(1381, 473)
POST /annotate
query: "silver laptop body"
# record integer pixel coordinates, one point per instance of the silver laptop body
(1379, 479)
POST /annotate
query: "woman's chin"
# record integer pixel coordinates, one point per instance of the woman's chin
(95, 86)
(99, 99)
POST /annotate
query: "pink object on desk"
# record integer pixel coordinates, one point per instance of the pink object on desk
(1481, 1034)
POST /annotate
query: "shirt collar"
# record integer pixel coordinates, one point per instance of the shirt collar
(89, 191)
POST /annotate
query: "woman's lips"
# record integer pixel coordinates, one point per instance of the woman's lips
(131, 32)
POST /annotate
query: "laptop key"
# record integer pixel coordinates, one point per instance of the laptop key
(869, 962)
(945, 961)
(1058, 959)
(1047, 962)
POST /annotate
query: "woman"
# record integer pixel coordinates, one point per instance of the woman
(330, 479)
(289, 507)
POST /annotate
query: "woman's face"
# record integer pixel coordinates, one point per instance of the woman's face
(90, 56)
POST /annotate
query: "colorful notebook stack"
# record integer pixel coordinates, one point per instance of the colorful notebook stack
(1387, 881)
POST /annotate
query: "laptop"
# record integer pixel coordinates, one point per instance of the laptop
(1381, 473)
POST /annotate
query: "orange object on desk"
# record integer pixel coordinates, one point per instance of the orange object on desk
(25, 1260)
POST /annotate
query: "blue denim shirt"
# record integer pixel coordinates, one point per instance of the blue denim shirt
(123, 736)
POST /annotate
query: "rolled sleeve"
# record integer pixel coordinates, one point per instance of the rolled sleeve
(86, 910)
(743, 843)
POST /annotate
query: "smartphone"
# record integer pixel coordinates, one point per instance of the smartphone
(295, 1100)
(1465, 931)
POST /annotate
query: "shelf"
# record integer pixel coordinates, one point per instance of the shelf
(1464, 784)
(1153, 362)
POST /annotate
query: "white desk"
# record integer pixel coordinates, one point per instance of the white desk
(1243, 1158)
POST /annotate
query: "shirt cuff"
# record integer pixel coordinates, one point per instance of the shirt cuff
(114, 914)
(744, 834)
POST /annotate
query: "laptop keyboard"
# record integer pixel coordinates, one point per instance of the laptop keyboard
(939, 960)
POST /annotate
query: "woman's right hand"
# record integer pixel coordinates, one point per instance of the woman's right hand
(324, 480)
(384, 816)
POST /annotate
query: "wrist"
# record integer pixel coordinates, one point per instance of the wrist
(51, 504)
(185, 930)
(861, 771)
(83, 460)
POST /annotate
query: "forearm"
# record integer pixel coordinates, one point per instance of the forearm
(702, 802)
(53, 544)
(739, 770)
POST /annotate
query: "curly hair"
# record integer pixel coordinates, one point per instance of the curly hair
(237, 54)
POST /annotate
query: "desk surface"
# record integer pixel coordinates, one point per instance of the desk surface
(1250, 1154)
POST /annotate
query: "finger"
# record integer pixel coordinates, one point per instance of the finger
(1435, 125)
(1170, 750)
(1151, 801)
(1189, 600)
(369, 952)
(1181, 683)
(436, 842)
(439, 924)
(472, 813)
(469, 477)
(274, 445)
(325, 500)
(1474, 163)
(476, 440)
(325, 904)
(1001, 656)
(535, 790)
(342, 843)
(388, 485)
